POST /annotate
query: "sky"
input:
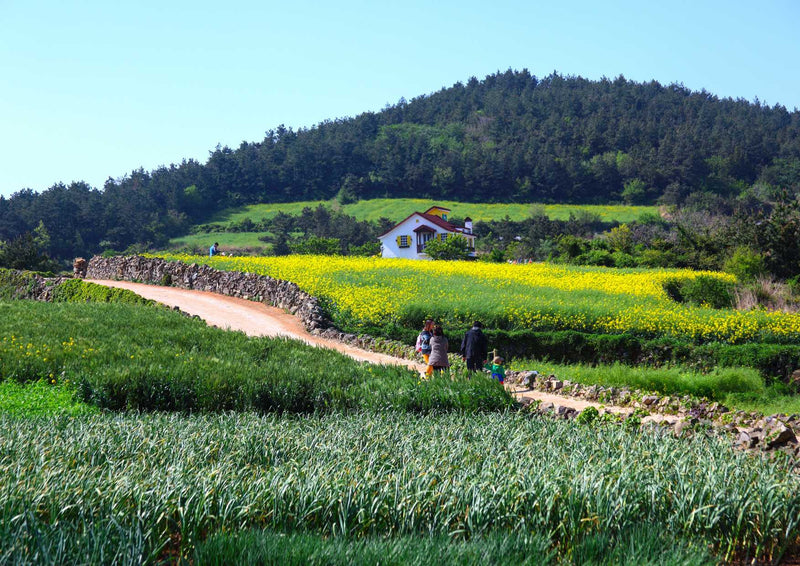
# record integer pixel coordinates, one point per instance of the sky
(94, 89)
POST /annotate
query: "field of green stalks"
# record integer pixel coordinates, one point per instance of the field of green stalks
(126, 487)
(130, 433)
(128, 357)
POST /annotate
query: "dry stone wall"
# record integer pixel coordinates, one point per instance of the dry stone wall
(281, 294)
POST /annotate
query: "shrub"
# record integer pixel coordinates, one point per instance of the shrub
(746, 264)
(588, 415)
(702, 290)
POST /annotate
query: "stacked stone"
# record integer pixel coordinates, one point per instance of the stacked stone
(751, 431)
(261, 288)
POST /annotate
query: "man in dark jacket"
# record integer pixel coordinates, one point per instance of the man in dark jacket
(474, 347)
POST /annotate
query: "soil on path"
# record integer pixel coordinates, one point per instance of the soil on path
(257, 319)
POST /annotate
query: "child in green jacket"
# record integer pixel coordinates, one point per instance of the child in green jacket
(497, 369)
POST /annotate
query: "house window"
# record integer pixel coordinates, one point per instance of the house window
(404, 241)
(443, 237)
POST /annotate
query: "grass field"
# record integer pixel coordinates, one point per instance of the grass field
(228, 241)
(133, 488)
(269, 451)
(397, 209)
(111, 357)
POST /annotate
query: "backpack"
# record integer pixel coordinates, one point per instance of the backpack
(425, 342)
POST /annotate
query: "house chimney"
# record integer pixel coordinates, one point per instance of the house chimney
(468, 225)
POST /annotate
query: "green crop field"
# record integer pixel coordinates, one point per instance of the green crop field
(558, 313)
(228, 240)
(131, 488)
(131, 433)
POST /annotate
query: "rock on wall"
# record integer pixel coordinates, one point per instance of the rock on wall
(16, 284)
(281, 294)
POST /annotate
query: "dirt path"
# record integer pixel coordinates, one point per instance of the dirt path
(250, 317)
(258, 319)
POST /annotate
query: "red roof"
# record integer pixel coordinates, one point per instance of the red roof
(438, 221)
(430, 218)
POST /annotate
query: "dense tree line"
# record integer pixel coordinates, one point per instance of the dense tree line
(509, 137)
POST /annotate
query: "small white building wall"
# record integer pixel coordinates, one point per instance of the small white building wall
(389, 247)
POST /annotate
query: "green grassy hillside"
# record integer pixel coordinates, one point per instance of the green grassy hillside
(393, 209)
(397, 209)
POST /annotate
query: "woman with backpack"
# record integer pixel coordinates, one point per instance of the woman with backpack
(424, 343)
(438, 361)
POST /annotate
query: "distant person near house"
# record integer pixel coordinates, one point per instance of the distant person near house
(423, 345)
(474, 347)
(437, 361)
(213, 250)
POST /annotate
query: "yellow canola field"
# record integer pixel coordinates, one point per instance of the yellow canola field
(380, 291)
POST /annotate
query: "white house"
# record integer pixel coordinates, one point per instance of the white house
(408, 238)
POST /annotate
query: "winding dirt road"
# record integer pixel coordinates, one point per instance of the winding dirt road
(257, 319)
(250, 317)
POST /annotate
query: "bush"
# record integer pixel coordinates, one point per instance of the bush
(702, 290)
(746, 264)
(79, 291)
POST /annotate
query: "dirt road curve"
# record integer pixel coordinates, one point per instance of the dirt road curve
(258, 319)
(250, 317)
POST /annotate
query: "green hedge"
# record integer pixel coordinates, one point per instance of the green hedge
(79, 291)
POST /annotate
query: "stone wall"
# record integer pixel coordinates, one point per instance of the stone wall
(16, 284)
(281, 294)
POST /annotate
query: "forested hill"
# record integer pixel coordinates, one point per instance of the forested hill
(509, 137)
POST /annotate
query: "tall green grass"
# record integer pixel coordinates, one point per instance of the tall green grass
(644, 545)
(128, 357)
(716, 384)
(136, 488)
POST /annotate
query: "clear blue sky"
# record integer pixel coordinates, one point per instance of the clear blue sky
(94, 89)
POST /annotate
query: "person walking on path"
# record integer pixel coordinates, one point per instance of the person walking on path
(423, 345)
(474, 347)
(213, 250)
(437, 361)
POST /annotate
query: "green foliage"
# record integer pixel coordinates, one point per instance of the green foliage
(368, 249)
(139, 488)
(40, 398)
(702, 290)
(453, 248)
(301, 549)
(635, 192)
(27, 252)
(588, 415)
(128, 357)
(746, 264)
(642, 545)
(79, 291)
(719, 383)
(314, 245)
